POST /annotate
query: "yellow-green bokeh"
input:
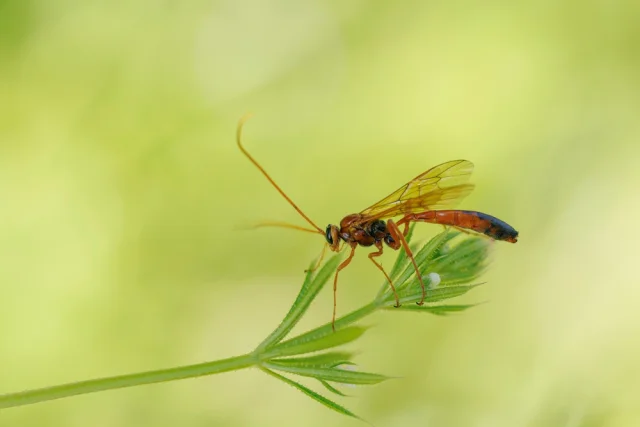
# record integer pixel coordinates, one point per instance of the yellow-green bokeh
(123, 198)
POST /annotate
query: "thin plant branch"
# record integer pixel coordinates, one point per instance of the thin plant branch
(449, 263)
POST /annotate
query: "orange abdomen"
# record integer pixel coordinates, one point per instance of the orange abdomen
(470, 220)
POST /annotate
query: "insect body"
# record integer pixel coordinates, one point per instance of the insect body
(470, 220)
(423, 199)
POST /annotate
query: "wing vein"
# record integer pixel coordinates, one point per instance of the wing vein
(440, 187)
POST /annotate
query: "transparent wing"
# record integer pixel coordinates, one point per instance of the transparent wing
(440, 187)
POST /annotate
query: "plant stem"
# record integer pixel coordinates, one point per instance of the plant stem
(111, 383)
(341, 322)
(182, 372)
(358, 314)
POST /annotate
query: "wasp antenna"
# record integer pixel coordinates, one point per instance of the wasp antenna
(256, 164)
(279, 224)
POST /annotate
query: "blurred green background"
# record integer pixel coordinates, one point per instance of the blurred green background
(123, 196)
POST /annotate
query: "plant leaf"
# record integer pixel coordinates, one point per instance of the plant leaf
(440, 310)
(310, 289)
(341, 323)
(468, 258)
(433, 295)
(346, 362)
(312, 394)
(332, 388)
(331, 374)
(309, 343)
(323, 360)
(422, 258)
(461, 263)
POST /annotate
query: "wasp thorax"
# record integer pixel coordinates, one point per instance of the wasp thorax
(350, 220)
(378, 227)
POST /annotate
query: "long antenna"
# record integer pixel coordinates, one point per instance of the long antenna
(281, 225)
(239, 140)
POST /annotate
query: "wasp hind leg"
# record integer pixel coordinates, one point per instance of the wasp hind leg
(399, 239)
(372, 255)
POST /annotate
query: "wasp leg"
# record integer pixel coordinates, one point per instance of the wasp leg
(324, 250)
(406, 229)
(462, 230)
(372, 255)
(399, 237)
(335, 283)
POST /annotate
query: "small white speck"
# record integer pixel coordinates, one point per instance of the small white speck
(434, 279)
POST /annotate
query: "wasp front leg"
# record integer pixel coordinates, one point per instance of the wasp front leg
(317, 264)
(335, 284)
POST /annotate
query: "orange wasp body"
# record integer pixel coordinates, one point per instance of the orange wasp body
(422, 199)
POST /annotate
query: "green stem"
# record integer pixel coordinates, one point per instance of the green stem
(183, 372)
(341, 322)
(111, 383)
(356, 315)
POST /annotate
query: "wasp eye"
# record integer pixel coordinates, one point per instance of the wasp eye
(389, 240)
(328, 235)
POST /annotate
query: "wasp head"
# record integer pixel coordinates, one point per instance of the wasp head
(332, 236)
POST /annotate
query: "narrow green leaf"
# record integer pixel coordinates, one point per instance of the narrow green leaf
(440, 310)
(385, 291)
(331, 374)
(332, 389)
(325, 359)
(469, 255)
(312, 394)
(310, 343)
(462, 264)
(346, 362)
(423, 256)
(310, 289)
(463, 276)
(433, 295)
